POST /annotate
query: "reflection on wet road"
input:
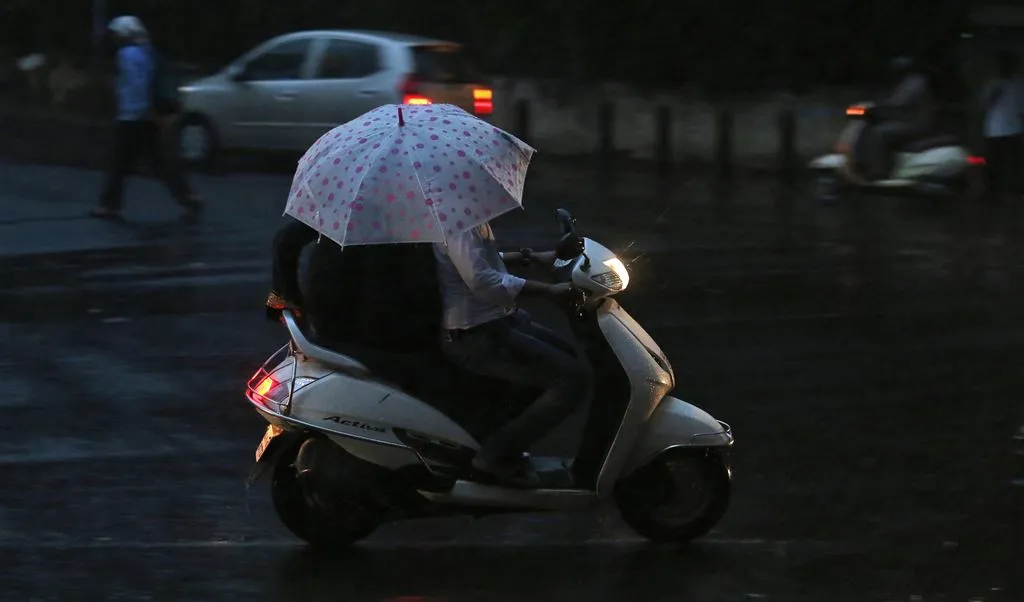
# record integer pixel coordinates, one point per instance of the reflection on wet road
(867, 355)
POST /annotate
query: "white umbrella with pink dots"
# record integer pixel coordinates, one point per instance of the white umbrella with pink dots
(408, 174)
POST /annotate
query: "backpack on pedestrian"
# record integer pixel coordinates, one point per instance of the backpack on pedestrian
(166, 96)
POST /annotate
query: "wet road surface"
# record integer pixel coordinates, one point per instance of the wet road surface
(866, 353)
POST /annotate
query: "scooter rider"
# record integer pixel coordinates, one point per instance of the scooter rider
(910, 113)
(483, 332)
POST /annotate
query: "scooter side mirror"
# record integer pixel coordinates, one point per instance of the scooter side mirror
(565, 221)
(569, 247)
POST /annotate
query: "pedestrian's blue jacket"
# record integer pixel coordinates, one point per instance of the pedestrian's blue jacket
(135, 71)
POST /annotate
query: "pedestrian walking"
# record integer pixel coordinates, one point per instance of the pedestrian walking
(146, 102)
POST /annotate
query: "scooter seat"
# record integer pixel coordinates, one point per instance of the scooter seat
(931, 142)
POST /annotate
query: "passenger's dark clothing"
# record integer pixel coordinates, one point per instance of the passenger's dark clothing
(382, 297)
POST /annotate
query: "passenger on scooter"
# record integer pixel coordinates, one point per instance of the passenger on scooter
(372, 297)
(485, 333)
(910, 113)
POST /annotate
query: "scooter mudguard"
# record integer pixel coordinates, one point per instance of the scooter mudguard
(677, 424)
(272, 450)
(833, 161)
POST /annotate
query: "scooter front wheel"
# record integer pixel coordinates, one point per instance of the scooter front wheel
(679, 496)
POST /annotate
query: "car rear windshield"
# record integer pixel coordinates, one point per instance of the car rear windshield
(444, 65)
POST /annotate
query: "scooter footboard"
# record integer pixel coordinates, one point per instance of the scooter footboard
(676, 424)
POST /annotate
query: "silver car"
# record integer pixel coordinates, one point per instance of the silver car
(285, 93)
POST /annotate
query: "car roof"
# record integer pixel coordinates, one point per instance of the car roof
(389, 36)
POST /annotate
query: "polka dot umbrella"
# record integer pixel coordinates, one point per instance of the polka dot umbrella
(405, 173)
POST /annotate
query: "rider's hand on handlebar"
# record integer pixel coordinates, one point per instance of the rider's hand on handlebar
(561, 290)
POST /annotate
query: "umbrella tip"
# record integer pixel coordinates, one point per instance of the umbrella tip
(401, 118)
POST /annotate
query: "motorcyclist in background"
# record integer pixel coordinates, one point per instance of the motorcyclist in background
(910, 113)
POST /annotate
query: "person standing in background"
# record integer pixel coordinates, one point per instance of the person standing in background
(1002, 101)
(142, 103)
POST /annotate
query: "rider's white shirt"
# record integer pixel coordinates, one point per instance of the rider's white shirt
(476, 287)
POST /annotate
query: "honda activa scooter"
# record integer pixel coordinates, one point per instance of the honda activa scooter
(934, 166)
(350, 446)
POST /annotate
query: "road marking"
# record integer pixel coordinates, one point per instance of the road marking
(625, 541)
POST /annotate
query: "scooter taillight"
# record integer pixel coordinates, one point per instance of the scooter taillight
(264, 386)
(975, 160)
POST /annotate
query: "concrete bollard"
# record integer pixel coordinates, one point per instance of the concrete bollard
(663, 140)
(606, 130)
(787, 144)
(522, 119)
(723, 143)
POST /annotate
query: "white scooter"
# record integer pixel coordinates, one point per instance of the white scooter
(351, 448)
(937, 165)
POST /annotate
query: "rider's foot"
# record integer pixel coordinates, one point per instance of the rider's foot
(518, 472)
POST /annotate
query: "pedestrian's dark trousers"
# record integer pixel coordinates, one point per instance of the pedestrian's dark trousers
(1005, 162)
(518, 350)
(134, 140)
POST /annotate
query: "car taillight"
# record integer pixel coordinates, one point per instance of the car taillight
(855, 111)
(411, 94)
(483, 101)
(973, 160)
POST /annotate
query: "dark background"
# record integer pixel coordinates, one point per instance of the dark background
(728, 44)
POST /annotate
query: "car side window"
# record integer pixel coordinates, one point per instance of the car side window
(346, 59)
(281, 62)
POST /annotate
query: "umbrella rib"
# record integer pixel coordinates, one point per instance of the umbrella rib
(316, 213)
(430, 208)
(366, 172)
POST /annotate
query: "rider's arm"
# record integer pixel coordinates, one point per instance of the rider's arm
(467, 252)
(288, 244)
(516, 258)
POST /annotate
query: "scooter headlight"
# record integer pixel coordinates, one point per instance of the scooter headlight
(617, 279)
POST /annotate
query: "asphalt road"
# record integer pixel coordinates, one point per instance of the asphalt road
(866, 353)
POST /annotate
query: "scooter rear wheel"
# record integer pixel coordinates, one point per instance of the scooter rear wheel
(320, 521)
(677, 497)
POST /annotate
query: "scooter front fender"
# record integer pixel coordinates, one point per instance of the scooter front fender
(677, 424)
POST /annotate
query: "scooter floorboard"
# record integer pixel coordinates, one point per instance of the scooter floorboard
(553, 474)
(470, 493)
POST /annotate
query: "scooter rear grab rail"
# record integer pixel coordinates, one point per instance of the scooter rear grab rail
(315, 352)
